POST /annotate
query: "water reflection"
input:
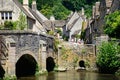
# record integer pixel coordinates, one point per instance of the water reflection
(73, 75)
(51, 76)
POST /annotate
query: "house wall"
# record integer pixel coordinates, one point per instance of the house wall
(9, 5)
(38, 27)
(77, 26)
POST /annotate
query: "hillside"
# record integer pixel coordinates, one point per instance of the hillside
(61, 8)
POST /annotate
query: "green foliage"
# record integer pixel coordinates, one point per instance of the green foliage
(59, 31)
(65, 37)
(76, 5)
(112, 25)
(107, 58)
(60, 12)
(77, 36)
(1, 26)
(21, 24)
(55, 46)
(51, 32)
(8, 25)
(47, 11)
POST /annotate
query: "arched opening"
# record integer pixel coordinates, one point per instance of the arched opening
(2, 72)
(26, 66)
(82, 63)
(50, 64)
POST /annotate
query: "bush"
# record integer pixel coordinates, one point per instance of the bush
(108, 59)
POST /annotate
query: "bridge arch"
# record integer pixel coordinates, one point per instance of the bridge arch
(27, 52)
(82, 63)
(50, 64)
(26, 65)
(2, 72)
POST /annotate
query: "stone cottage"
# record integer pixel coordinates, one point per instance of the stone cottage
(97, 21)
(74, 25)
(11, 9)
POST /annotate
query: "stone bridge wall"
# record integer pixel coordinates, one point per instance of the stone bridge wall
(25, 42)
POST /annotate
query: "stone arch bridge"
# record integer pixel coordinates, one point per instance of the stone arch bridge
(17, 47)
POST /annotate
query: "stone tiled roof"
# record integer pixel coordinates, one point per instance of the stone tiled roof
(72, 24)
(24, 9)
(74, 16)
(59, 23)
(6, 6)
(48, 24)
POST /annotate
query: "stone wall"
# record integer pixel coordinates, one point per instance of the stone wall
(26, 42)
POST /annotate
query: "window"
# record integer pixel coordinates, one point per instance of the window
(2, 15)
(6, 15)
(12, 44)
(10, 15)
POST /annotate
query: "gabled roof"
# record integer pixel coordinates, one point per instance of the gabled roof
(24, 9)
(72, 18)
(59, 23)
(72, 24)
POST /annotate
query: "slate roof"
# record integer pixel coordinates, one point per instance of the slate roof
(3, 6)
(72, 24)
(24, 9)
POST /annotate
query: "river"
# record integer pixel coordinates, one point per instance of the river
(73, 75)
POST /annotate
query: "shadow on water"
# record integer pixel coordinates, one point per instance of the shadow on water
(27, 78)
(73, 75)
(51, 76)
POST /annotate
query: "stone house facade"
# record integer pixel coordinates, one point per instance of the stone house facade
(100, 10)
(74, 25)
(11, 9)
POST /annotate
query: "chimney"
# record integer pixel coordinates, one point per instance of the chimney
(25, 3)
(93, 12)
(83, 11)
(34, 6)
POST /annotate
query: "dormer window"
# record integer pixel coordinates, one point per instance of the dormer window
(7, 15)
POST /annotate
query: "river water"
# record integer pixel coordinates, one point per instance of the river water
(73, 75)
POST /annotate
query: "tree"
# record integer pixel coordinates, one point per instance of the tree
(74, 5)
(60, 12)
(107, 58)
(21, 24)
(47, 11)
(112, 24)
(8, 25)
